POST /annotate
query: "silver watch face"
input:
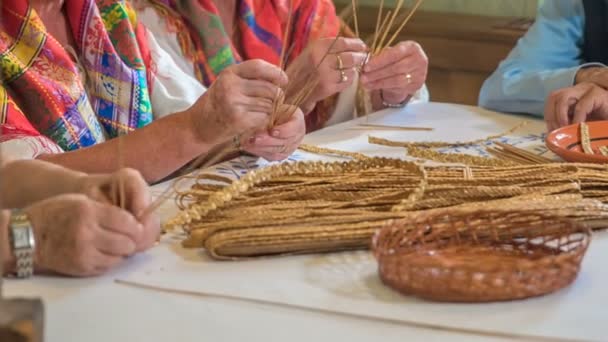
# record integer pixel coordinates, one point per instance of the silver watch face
(21, 238)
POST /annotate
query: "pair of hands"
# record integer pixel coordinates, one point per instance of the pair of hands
(239, 104)
(85, 233)
(398, 72)
(585, 101)
(240, 101)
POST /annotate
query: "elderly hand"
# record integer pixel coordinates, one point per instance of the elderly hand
(238, 102)
(137, 198)
(281, 141)
(397, 72)
(335, 73)
(580, 103)
(77, 236)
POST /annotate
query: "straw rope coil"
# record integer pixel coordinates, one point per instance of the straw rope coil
(309, 207)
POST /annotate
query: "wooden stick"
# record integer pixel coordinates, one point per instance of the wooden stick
(396, 34)
(389, 27)
(354, 4)
(121, 183)
(398, 128)
(378, 22)
(523, 153)
(509, 157)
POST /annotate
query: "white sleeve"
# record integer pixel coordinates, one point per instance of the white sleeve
(173, 89)
(18, 147)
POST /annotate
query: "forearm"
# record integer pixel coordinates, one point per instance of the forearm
(592, 73)
(156, 150)
(24, 182)
(8, 260)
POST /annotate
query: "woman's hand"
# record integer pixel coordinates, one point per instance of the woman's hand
(238, 102)
(580, 103)
(346, 54)
(397, 72)
(281, 141)
(77, 236)
(137, 198)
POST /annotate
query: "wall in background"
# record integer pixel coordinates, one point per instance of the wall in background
(501, 8)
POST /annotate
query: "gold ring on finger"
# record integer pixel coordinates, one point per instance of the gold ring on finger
(343, 77)
(408, 77)
(340, 62)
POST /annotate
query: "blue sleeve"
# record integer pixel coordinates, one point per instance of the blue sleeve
(547, 58)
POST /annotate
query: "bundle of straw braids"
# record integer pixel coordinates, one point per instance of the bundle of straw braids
(316, 207)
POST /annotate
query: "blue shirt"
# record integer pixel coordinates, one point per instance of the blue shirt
(547, 58)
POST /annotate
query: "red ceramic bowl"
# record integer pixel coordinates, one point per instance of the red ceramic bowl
(566, 142)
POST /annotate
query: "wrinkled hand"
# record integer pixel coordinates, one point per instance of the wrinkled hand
(77, 236)
(596, 75)
(137, 198)
(239, 101)
(281, 141)
(352, 52)
(388, 72)
(580, 103)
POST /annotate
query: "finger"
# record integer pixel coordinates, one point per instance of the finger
(562, 108)
(347, 44)
(151, 233)
(404, 67)
(261, 89)
(137, 191)
(397, 82)
(350, 60)
(338, 83)
(392, 55)
(549, 111)
(114, 244)
(255, 104)
(585, 106)
(255, 120)
(257, 69)
(104, 263)
(119, 221)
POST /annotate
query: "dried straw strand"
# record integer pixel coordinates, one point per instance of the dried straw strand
(586, 139)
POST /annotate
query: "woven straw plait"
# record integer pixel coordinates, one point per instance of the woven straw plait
(323, 207)
(480, 256)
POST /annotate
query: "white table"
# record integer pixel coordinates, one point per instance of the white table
(101, 310)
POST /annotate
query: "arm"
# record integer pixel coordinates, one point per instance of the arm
(162, 147)
(8, 260)
(547, 58)
(156, 150)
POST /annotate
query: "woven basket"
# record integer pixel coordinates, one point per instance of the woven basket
(483, 256)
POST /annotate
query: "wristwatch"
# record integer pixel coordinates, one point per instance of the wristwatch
(23, 243)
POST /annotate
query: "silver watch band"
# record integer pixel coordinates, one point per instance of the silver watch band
(394, 105)
(23, 243)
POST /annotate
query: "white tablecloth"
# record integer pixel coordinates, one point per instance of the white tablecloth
(102, 310)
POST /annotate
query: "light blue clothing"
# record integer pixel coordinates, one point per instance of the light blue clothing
(547, 58)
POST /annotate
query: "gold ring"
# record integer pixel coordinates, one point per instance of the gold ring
(408, 77)
(340, 62)
(343, 77)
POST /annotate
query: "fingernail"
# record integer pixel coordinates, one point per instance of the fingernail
(275, 133)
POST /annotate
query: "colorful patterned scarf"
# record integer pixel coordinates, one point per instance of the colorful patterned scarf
(41, 91)
(261, 25)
